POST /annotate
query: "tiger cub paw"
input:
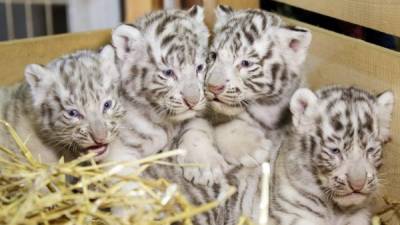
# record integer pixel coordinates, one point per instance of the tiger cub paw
(251, 158)
(207, 167)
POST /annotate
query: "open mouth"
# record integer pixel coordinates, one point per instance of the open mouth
(217, 100)
(98, 149)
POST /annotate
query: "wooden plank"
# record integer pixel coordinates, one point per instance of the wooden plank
(338, 59)
(240, 4)
(210, 5)
(189, 3)
(138, 8)
(382, 15)
(15, 55)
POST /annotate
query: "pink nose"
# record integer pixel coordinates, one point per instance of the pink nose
(357, 184)
(99, 139)
(189, 102)
(216, 89)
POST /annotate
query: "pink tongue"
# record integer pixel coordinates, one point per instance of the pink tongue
(97, 149)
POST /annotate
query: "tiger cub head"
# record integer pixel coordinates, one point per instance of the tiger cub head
(253, 58)
(162, 59)
(76, 101)
(346, 129)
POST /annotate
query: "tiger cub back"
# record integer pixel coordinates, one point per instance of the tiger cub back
(69, 107)
(326, 172)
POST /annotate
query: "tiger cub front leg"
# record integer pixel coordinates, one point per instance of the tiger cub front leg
(242, 142)
(197, 138)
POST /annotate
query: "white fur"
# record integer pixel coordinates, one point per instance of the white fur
(242, 142)
(284, 36)
(201, 150)
(385, 104)
(126, 38)
(303, 105)
(38, 78)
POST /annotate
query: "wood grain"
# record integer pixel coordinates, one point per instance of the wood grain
(382, 15)
(210, 5)
(209, 12)
(137, 8)
(240, 4)
(15, 55)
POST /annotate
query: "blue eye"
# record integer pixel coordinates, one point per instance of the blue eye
(168, 73)
(335, 150)
(370, 150)
(107, 105)
(213, 55)
(73, 113)
(199, 68)
(245, 63)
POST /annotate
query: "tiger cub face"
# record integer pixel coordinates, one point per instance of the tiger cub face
(76, 102)
(253, 59)
(347, 128)
(162, 60)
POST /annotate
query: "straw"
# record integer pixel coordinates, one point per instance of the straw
(32, 192)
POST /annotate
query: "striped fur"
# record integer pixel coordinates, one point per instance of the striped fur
(245, 201)
(233, 142)
(326, 171)
(254, 68)
(162, 62)
(254, 59)
(68, 107)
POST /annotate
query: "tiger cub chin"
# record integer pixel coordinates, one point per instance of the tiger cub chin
(67, 108)
(326, 172)
(254, 67)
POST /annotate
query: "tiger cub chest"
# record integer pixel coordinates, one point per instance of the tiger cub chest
(141, 133)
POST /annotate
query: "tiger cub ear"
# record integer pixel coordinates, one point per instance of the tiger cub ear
(107, 53)
(196, 12)
(294, 41)
(39, 80)
(384, 109)
(303, 106)
(222, 13)
(127, 40)
(108, 66)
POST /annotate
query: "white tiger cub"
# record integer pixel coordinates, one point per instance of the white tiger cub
(254, 68)
(162, 62)
(71, 106)
(326, 172)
